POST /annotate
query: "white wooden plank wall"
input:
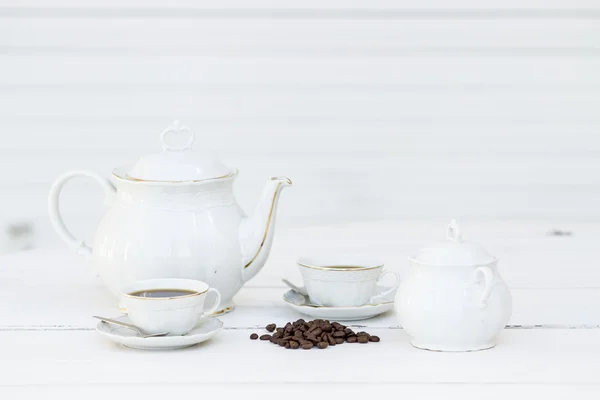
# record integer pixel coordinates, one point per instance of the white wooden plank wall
(376, 109)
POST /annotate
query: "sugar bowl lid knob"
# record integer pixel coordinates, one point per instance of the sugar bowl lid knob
(454, 233)
(454, 251)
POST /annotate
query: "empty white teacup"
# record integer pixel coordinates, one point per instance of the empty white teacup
(168, 305)
(344, 281)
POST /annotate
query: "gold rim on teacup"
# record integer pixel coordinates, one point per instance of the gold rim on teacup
(128, 292)
(303, 262)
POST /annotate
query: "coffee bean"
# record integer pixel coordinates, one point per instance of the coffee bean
(313, 339)
(330, 339)
(319, 333)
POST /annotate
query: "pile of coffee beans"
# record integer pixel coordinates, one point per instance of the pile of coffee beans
(317, 333)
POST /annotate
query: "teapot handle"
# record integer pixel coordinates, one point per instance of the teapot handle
(53, 207)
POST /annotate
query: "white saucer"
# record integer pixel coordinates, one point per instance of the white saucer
(303, 305)
(207, 328)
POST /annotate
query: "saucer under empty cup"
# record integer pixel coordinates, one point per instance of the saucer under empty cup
(303, 305)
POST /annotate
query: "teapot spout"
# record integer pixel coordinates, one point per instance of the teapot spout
(256, 231)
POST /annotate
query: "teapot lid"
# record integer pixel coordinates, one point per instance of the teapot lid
(453, 251)
(177, 163)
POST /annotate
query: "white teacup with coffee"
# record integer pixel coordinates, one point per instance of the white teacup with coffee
(344, 281)
(168, 305)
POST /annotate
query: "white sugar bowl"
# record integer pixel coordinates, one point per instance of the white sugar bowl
(453, 298)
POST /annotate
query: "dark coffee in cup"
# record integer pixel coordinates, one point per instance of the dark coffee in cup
(162, 293)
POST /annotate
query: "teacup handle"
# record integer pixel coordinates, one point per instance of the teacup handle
(214, 307)
(379, 296)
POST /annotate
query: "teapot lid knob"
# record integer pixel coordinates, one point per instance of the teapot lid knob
(178, 162)
(178, 129)
(454, 232)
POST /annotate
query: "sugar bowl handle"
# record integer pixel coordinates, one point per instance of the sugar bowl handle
(488, 278)
(53, 208)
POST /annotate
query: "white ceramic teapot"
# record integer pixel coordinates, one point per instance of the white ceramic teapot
(453, 298)
(173, 215)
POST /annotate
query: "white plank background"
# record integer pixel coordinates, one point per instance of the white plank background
(377, 110)
(390, 116)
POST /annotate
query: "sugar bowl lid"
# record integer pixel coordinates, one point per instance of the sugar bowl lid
(453, 251)
(177, 163)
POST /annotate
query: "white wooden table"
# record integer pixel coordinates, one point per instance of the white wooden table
(551, 347)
